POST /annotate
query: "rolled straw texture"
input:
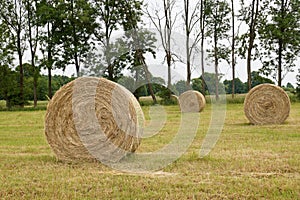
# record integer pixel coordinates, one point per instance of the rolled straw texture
(93, 118)
(191, 101)
(267, 104)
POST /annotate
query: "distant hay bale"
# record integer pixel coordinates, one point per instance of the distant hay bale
(267, 104)
(191, 101)
(93, 118)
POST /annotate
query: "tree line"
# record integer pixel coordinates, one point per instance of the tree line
(65, 33)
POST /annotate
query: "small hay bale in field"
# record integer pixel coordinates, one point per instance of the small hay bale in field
(93, 118)
(191, 101)
(267, 104)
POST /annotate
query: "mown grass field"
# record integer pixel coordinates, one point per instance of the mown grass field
(248, 162)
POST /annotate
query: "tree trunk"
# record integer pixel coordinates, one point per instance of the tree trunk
(187, 44)
(280, 44)
(33, 47)
(216, 65)
(202, 21)
(21, 93)
(233, 51)
(168, 25)
(141, 60)
(202, 67)
(249, 81)
(169, 57)
(254, 14)
(35, 79)
(148, 78)
(280, 62)
(49, 63)
(49, 83)
(110, 68)
(169, 84)
(77, 65)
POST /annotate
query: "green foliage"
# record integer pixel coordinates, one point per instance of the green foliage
(140, 89)
(110, 17)
(240, 87)
(248, 14)
(180, 87)
(210, 84)
(280, 37)
(290, 86)
(197, 84)
(290, 89)
(257, 79)
(6, 45)
(218, 25)
(131, 49)
(78, 26)
(9, 86)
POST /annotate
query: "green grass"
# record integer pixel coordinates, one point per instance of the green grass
(41, 105)
(248, 162)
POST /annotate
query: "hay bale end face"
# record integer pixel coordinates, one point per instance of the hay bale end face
(191, 101)
(267, 104)
(93, 118)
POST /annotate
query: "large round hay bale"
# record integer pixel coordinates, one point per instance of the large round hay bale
(93, 118)
(267, 104)
(191, 101)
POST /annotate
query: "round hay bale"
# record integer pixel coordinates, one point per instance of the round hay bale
(93, 118)
(267, 104)
(191, 101)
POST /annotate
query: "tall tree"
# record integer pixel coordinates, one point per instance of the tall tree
(233, 48)
(13, 14)
(191, 20)
(140, 42)
(218, 20)
(6, 59)
(49, 13)
(280, 35)
(109, 19)
(249, 13)
(33, 28)
(203, 15)
(164, 24)
(78, 27)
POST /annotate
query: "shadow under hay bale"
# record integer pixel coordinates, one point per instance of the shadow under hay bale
(267, 104)
(93, 118)
(191, 101)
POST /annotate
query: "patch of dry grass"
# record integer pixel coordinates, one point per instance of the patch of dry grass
(248, 162)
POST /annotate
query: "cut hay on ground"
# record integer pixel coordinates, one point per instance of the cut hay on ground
(267, 104)
(191, 101)
(93, 118)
